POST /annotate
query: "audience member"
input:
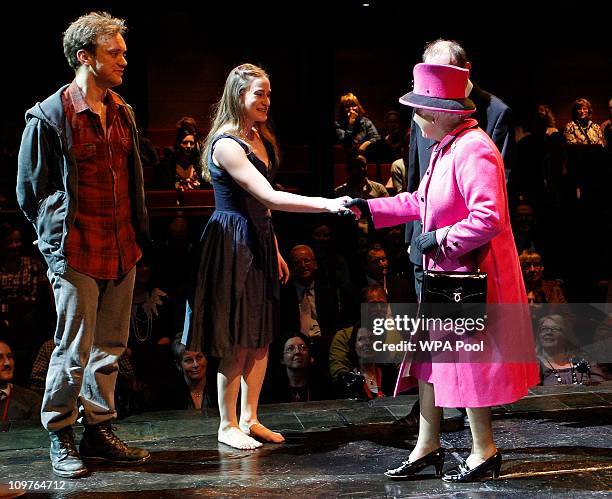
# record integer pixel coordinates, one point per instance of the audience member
(539, 290)
(351, 365)
(541, 163)
(398, 289)
(601, 342)
(606, 127)
(548, 118)
(358, 184)
(582, 130)
(399, 176)
(25, 300)
(309, 304)
(297, 379)
(16, 402)
(561, 362)
(180, 163)
(151, 336)
(353, 128)
(332, 266)
(148, 153)
(192, 390)
(396, 139)
(173, 268)
(23, 284)
(128, 396)
(524, 227)
(396, 249)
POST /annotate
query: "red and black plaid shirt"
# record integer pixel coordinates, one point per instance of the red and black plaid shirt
(102, 242)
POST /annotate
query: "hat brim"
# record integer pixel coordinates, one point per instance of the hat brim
(454, 106)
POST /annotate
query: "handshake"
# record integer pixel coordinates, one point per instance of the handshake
(347, 206)
(358, 208)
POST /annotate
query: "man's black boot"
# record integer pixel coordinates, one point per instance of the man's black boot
(100, 442)
(65, 457)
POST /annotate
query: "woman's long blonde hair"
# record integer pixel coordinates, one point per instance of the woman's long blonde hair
(230, 111)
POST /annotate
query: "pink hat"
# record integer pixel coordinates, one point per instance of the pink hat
(439, 87)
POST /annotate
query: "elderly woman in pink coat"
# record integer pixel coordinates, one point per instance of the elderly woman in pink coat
(462, 203)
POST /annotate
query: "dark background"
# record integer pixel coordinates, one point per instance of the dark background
(524, 52)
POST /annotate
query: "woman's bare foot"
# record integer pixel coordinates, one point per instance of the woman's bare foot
(260, 432)
(235, 437)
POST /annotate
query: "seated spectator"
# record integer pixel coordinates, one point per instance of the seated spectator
(25, 300)
(148, 153)
(351, 365)
(16, 402)
(399, 176)
(297, 379)
(560, 360)
(606, 128)
(332, 266)
(181, 164)
(396, 248)
(353, 128)
(396, 139)
(358, 185)
(539, 290)
(151, 336)
(172, 269)
(582, 130)
(549, 119)
(525, 227)
(128, 391)
(192, 392)
(601, 342)
(398, 288)
(541, 161)
(23, 284)
(309, 304)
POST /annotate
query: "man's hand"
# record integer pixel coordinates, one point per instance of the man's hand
(150, 306)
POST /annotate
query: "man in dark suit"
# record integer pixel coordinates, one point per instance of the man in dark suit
(309, 305)
(16, 402)
(493, 116)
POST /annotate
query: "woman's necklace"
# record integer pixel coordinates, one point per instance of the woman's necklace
(558, 376)
(584, 131)
(138, 319)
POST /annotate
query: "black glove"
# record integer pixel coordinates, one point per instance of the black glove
(362, 204)
(426, 242)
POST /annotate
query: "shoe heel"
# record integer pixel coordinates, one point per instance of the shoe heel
(497, 467)
(439, 467)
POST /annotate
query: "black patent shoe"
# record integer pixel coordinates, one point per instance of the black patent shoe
(464, 474)
(100, 442)
(65, 458)
(408, 469)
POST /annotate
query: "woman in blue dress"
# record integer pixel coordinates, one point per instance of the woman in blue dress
(233, 311)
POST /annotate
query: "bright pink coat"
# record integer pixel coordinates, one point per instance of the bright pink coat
(465, 187)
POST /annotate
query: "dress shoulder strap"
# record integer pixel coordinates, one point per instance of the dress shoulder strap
(244, 145)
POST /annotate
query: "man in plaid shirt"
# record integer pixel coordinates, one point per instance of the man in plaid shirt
(80, 183)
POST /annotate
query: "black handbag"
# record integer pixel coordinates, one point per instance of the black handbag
(453, 293)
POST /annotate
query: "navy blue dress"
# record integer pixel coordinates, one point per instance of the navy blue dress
(235, 299)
